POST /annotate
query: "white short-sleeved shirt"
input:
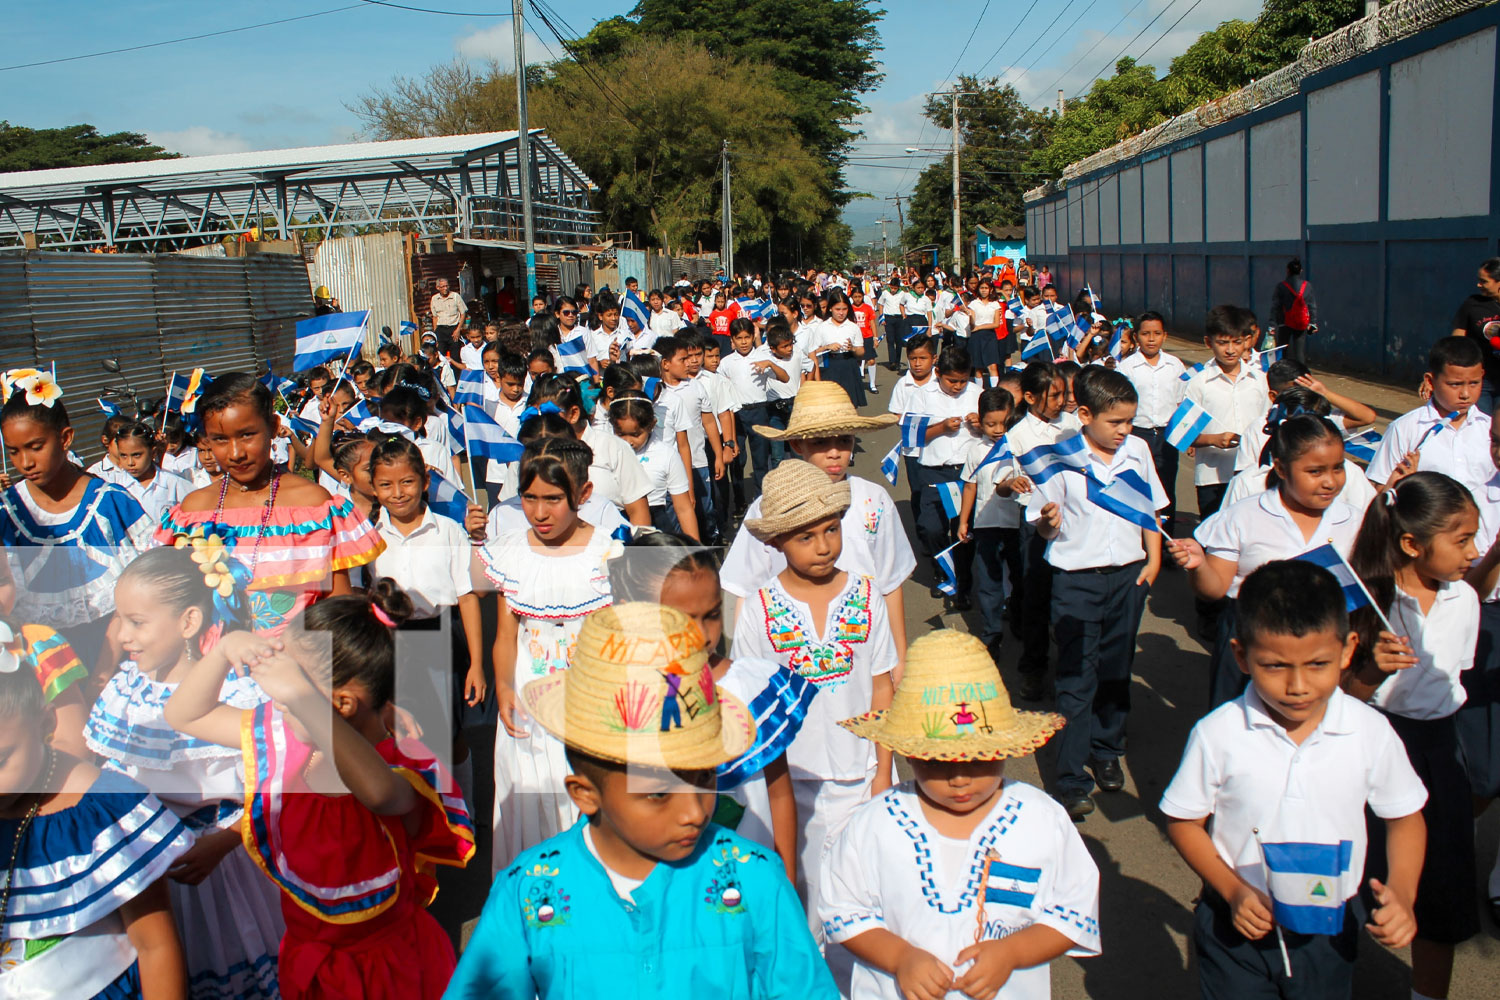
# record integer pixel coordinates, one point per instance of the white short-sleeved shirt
(951, 448)
(472, 356)
(502, 475)
(438, 459)
(722, 395)
(892, 302)
(662, 463)
(889, 869)
(836, 335)
(431, 563)
(183, 463)
(1091, 536)
(1236, 404)
(854, 648)
(1241, 768)
(1253, 442)
(1357, 491)
(1259, 529)
(1462, 452)
(990, 509)
(664, 324)
(110, 472)
(794, 366)
(615, 472)
(691, 397)
(747, 384)
(987, 313)
(1159, 386)
(164, 491)
(874, 543)
(806, 338)
(508, 517)
(904, 396)
(1443, 641)
(1487, 497)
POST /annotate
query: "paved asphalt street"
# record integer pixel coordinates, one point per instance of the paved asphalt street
(1148, 891)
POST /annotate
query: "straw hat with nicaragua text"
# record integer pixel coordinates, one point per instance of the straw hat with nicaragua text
(952, 705)
(823, 409)
(640, 691)
(794, 495)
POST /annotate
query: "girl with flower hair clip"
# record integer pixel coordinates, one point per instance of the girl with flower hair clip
(171, 604)
(67, 534)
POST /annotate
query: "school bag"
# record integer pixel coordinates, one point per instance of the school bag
(1296, 316)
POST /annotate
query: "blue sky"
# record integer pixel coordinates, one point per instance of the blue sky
(288, 84)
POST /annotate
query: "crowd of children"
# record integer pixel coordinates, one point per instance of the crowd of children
(625, 537)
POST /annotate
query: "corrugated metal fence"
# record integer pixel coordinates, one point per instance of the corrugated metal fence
(155, 314)
(366, 272)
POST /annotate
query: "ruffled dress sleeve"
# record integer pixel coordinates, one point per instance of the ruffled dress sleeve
(445, 833)
(56, 664)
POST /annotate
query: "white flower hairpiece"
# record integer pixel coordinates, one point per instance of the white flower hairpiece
(41, 389)
(10, 658)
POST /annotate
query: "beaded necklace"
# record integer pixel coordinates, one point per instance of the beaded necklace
(15, 848)
(265, 514)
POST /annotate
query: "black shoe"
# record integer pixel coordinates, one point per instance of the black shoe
(960, 603)
(1077, 804)
(1108, 774)
(935, 593)
(993, 648)
(1033, 687)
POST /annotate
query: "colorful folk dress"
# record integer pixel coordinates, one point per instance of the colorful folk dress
(550, 595)
(230, 923)
(63, 938)
(55, 662)
(291, 552)
(65, 565)
(355, 886)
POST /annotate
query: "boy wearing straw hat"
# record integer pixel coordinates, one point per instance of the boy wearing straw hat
(830, 627)
(822, 431)
(643, 897)
(961, 879)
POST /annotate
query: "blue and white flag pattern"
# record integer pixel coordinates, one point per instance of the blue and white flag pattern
(1355, 596)
(445, 498)
(1093, 296)
(301, 425)
(1308, 884)
(487, 439)
(1190, 372)
(407, 328)
(457, 430)
(915, 331)
(999, 452)
(359, 414)
(574, 354)
(1038, 348)
(1015, 309)
(1268, 358)
(113, 410)
(1361, 446)
(470, 388)
(1187, 422)
(1117, 340)
(951, 496)
(1010, 885)
(944, 560)
(1061, 323)
(914, 430)
(1127, 496)
(1047, 460)
(328, 338)
(632, 307)
(1436, 428)
(890, 466)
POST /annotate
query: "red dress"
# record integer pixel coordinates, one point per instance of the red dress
(354, 886)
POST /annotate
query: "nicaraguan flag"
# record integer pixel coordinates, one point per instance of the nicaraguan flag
(327, 338)
(944, 560)
(649, 385)
(1127, 496)
(951, 495)
(1047, 460)
(1117, 341)
(914, 430)
(1083, 326)
(631, 307)
(1038, 348)
(1061, 323)
(1306, 883)
(470, 388)
(1436, 428)
(1015, 309)
(112, 410)
(457, 430)
(574, 354)
(1361, 446)
(1328, 557)
(999, 452)
(184, 391)
(768, 310)
(1188, 421)
(890, 467)
(488, 439)
(1011, 885)
(359, 414)
(1268, 358)
(269, 379)
(445, 498)
(1190, 372)
(407, 328)
(1093, 297)
(301, 425)
(915, 331)
(749, 306)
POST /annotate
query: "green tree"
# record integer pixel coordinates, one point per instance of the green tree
(1115, 109)
(24, 148)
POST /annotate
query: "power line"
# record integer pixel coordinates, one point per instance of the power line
(1164, 34)
(449, 13)
(1011, 37)
(1090, 51)
(1126, 49)
(1066, 32)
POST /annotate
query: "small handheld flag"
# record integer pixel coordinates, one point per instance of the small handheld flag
(359, 413)
(1268, 358)
(1187, 422)
(1356, 595)
(113, 410)
(326, 338)
(1361, 446)
(1305, 883)
(914, 430)
(1015, 309)
(951, 496)
(889, 467)
(1127, 496)
(470, 388)
(407, 328)
(633, 308)
(456, 430)
(574, 354)
(1093, 296)
(915, 331)
(944, 560)
(445, 498)
(999, 452)
(487, 439)
(1038, 348)
(1047, 460)
(1188, 374)
(1436, 428)
(1061, 323)
(301, 425)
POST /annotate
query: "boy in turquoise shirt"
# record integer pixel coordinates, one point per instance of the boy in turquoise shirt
(643, 897)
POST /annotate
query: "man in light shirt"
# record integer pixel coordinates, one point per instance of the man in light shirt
(448, 311)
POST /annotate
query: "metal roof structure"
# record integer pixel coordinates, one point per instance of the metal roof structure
(461, 184)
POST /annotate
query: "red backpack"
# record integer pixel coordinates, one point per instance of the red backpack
(1296, 316)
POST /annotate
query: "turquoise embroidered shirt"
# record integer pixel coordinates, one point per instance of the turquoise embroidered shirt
(723, 923)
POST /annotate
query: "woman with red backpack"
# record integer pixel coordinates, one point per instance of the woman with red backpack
(1293, 312)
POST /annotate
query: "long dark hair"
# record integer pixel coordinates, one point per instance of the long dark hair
(1036, 380)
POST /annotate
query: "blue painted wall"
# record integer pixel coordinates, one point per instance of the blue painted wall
(1387, 284)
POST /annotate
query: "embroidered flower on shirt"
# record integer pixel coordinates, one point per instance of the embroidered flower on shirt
(872, 517)
(826, 664)
(724, 893)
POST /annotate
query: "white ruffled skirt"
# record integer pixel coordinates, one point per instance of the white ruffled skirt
(231, 931)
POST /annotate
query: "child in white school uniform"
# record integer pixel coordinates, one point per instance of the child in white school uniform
(1448, 433)
(671, 497)
(154, 488)
(921, 357)
(1412, 552)
(829, 626)
(1104, 565)
(952, 404)
(822, 431)
(750, 370)
(1302, 511)
(1357, 490)
(1233, 394)
(989, 517)
(1293, 761)
(962, 882)
(1158, 380)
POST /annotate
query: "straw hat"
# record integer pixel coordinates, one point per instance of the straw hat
(796, 494)
(823, 409)
(952, 705)
(640, 691)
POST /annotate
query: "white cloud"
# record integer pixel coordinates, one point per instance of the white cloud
(497, 42)
(199, 140)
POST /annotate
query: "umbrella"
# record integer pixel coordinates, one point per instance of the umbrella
(997, 262)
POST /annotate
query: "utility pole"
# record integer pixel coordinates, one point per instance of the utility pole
(900, 217)
(884, 246)
(954, 95)
(726, 237)
(523, 151)
(1061, 102)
